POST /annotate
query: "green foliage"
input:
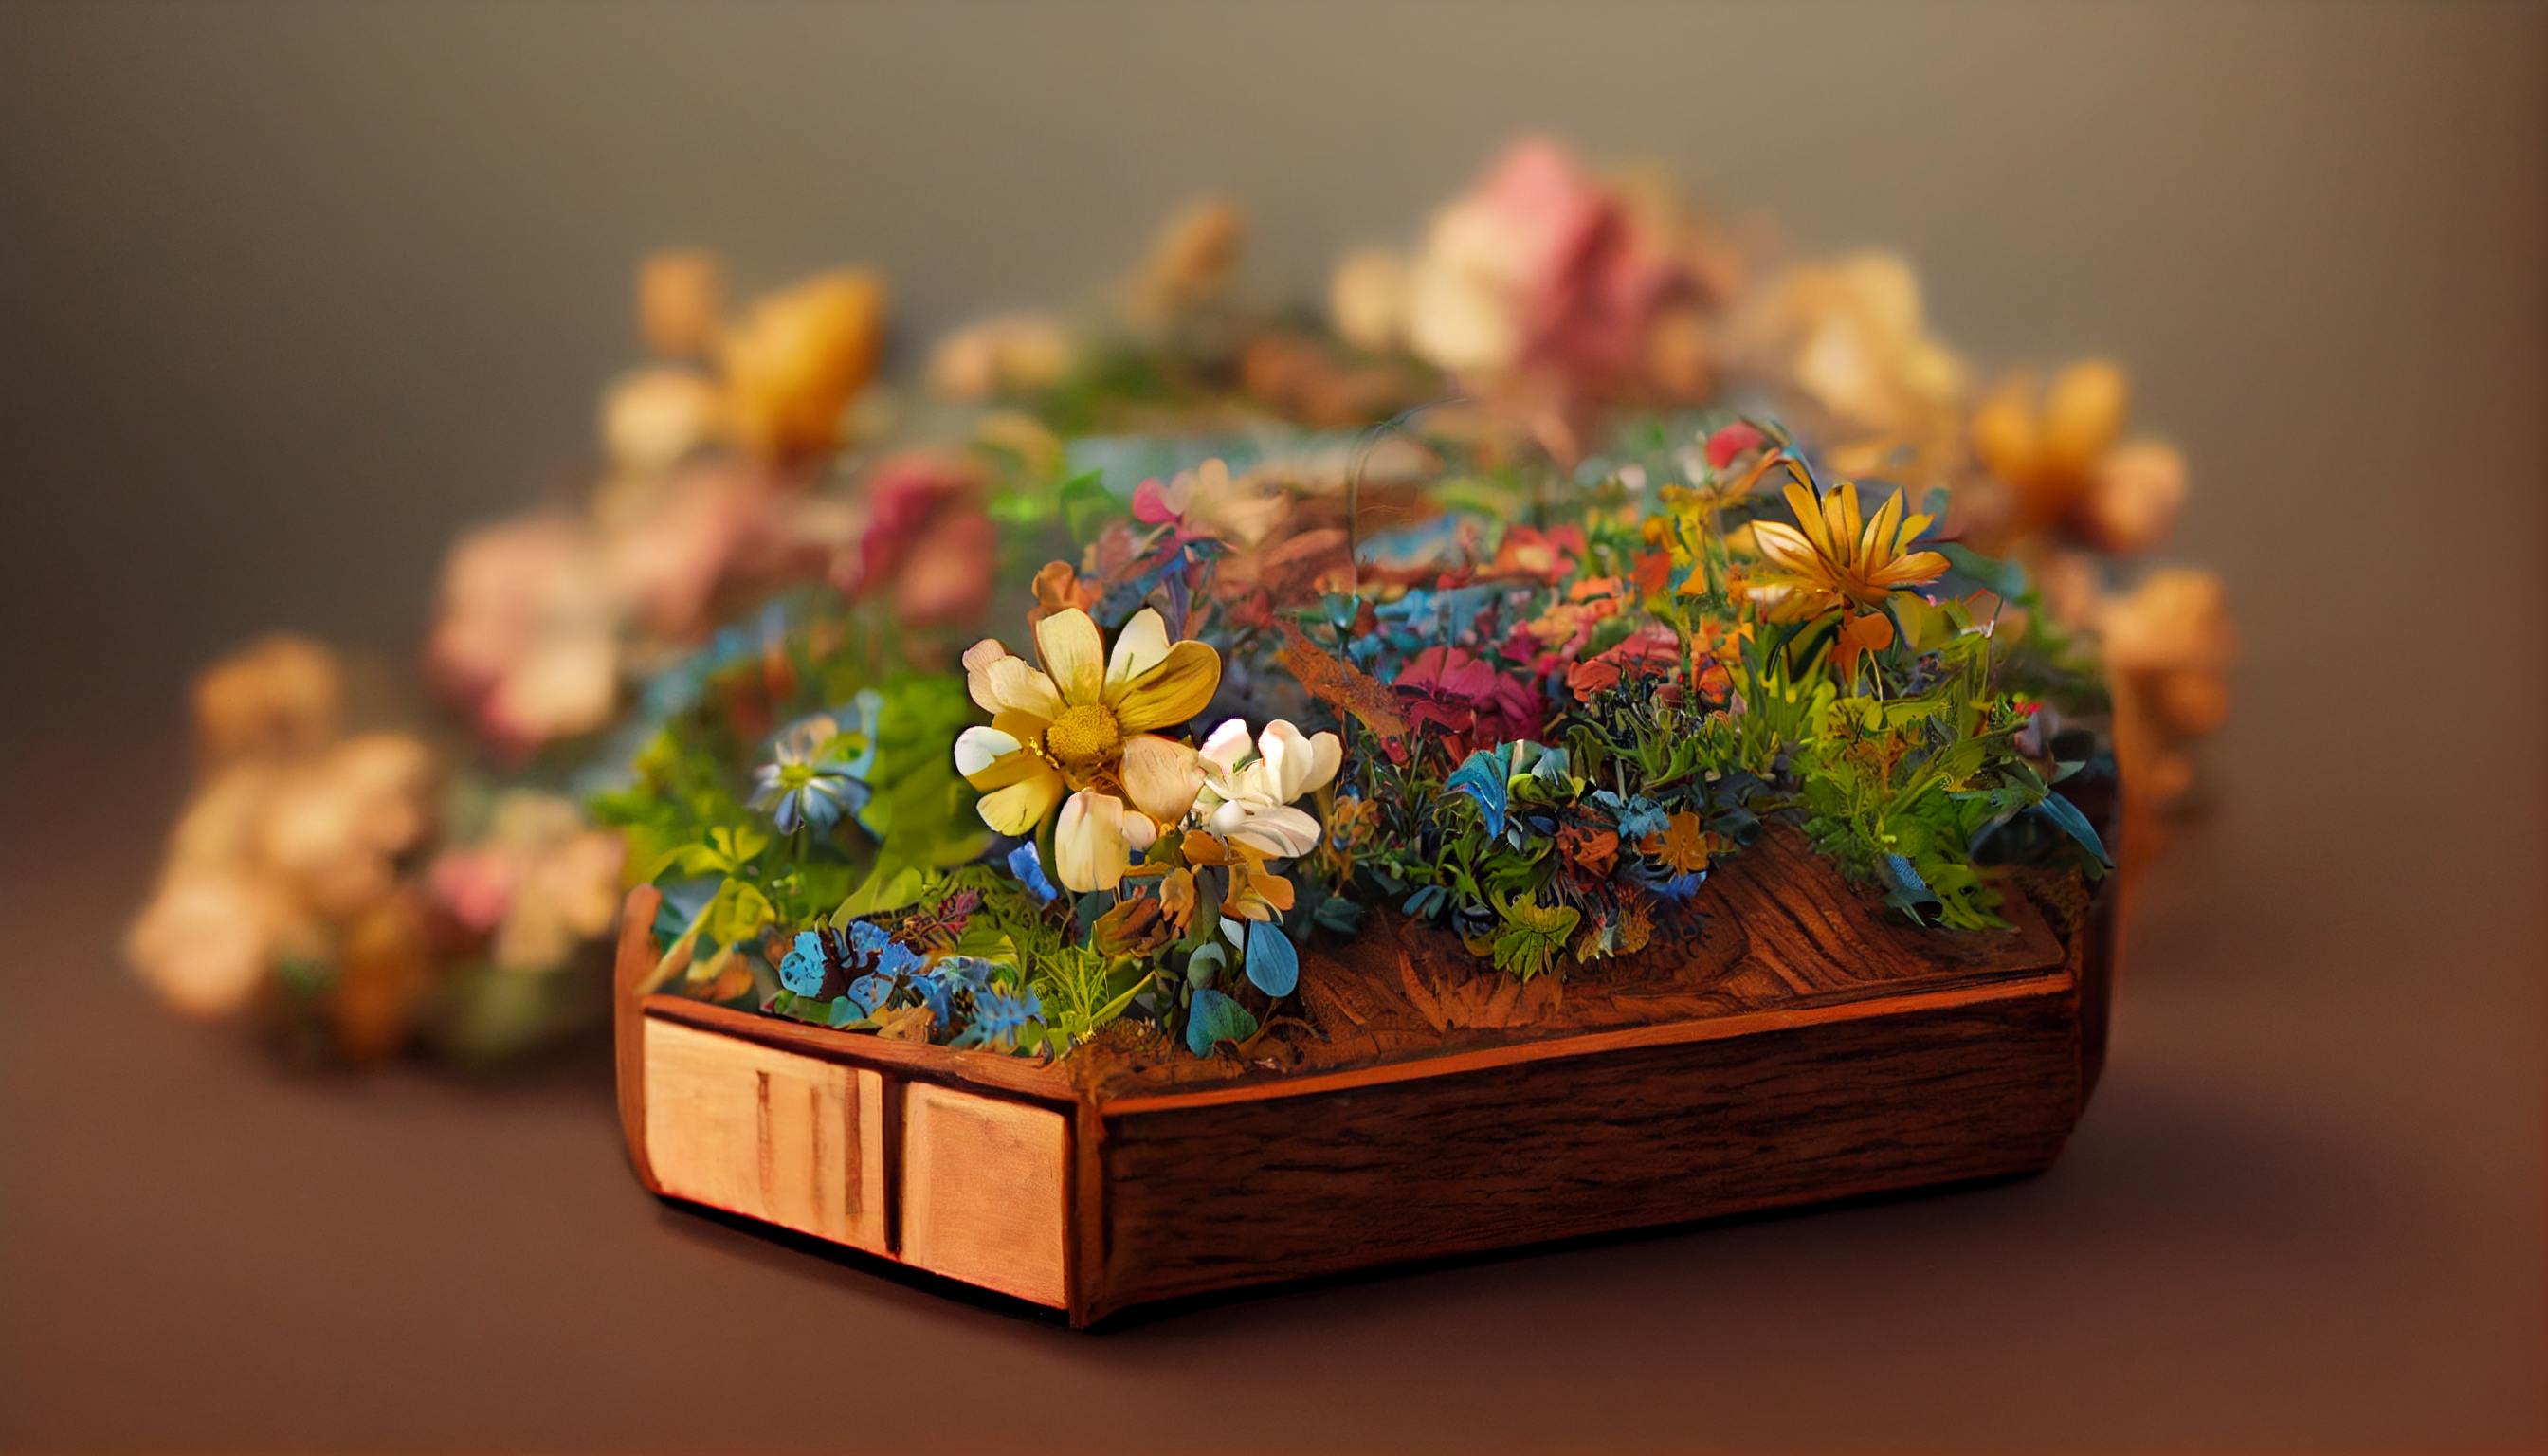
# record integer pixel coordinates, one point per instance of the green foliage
(1533, 935)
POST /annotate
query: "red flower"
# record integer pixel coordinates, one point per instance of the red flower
(1728, 444)
(1467, 699)
(1651, 650)
(927, 542)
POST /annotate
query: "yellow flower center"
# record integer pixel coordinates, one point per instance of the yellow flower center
(1085, 735)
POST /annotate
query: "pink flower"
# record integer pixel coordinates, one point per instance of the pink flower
(1730, 443)
(927, 542)
(1466, 698)
(1540, 271)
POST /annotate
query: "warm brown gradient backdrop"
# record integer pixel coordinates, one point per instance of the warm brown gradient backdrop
(289, 293)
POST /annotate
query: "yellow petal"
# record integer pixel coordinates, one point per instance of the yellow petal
(1020, 806)
(1840, 510)
(1179, 687)
(1911, 571)
(1875, 543)
(1075, 654)
(978, 748)
(1088, 848)
(2083, 412)
(1910, 532)
(977, 662)
(1784, 546)
(1161, 777)
(1139, 647)
(1809, 516)
(1020, 688)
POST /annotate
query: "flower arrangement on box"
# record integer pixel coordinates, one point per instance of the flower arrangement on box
(1564, 559)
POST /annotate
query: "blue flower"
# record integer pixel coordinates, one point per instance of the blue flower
(806, 784)
(1637, 814)
(892, 957)
(999, 1017)
(1028, 866)
(806, 966)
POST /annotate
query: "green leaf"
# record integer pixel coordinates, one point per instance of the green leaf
(1216, 1019)
(738, 914)
(884, 890)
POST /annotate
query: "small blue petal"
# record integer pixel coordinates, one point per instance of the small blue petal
(1028, 866)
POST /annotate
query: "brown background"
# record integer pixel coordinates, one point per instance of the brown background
(289, 293)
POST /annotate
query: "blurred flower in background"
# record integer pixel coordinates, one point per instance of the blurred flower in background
(766, 510)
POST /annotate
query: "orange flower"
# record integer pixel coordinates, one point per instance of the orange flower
(1834, 563)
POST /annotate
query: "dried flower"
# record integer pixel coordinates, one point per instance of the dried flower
(528, 633)
(1367, 300)
(1466, 699)
(651, 419)
(927, 540)
(1192, 262)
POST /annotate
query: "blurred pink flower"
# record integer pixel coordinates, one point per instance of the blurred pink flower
(1540, 277)
(928, 542)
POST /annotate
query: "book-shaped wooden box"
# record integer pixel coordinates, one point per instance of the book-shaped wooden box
(1798, 1048)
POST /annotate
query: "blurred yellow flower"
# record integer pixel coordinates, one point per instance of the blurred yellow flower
(793, 364)
(679, 296)
(1080, 727)
(1192, 262)
(2055, 449)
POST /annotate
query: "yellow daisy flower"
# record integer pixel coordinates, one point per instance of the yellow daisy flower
(1834, 563)
(1079, 728)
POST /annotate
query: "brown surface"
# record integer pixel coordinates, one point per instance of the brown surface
(286, 295)
(1584, 1136)
(1776, 928)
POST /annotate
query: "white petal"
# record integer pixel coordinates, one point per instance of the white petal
(1288, 759)
(1327, 756)
(1088, 848)
(1141, 831)
(1226, 745)
(1287, 833)
(978, 748)
(1141, 645)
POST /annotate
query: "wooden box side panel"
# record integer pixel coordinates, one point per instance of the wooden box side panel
(986, 1192)
(790, 1140)
(1219, 1196)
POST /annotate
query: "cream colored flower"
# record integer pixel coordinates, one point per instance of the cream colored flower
(281, 696)
(1191, 263)
(1080, 727)
(1012, 354)
(1367, 300)
(651, 417)
(1248, 800)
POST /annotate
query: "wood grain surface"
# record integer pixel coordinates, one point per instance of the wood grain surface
(1794, 1046)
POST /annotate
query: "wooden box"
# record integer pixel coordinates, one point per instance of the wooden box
(1799, 1050)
